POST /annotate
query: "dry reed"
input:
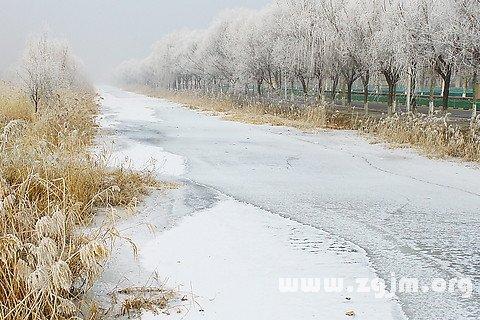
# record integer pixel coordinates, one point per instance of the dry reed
(13, 104)
(254, 112)
(49, 185)
(432, 136)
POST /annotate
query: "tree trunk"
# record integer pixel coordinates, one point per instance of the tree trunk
(391, 97)
(320, 89)
(431, 103)
(365, 82)
(292, 88)
(411, 102)
(392, 77)
(278, 80)
(349, 92)
(304, 85)
(320, 85)
(259, 86)
(334, 87)
(271, 80)
(446, 88)
(343, 94)
(35, 96)
(444, 69)
(409, 90)
(465, 85)
(476, 96)
(413, 89)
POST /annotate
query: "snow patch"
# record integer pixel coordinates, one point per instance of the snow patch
(129, 109)
(146, 157)
(233, 255)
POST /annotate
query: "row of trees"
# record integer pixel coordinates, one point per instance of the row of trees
(48, 67)
(319, 44)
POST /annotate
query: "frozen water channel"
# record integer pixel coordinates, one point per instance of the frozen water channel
(261, 202)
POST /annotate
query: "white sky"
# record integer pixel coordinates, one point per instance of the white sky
(103, 32)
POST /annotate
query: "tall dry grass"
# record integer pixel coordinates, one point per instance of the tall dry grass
(250, 111)
(433, 136)
(13, 104)
(49, 186)
(306, 117)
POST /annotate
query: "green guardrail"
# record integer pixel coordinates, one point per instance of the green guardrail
(454, 92)
(456, 99)
(453, 102)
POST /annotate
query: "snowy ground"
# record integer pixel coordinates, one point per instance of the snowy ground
(260, 203)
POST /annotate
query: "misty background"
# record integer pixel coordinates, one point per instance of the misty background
(103, 33)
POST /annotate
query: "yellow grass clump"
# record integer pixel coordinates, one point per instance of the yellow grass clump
(307, 117)
(13, 104)
(433, 136)
(251, 111)
(49, 186)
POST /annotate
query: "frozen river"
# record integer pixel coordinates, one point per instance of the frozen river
(411, 216)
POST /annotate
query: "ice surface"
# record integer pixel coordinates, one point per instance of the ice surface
(413, 216)
(135, 153)
(233, 255)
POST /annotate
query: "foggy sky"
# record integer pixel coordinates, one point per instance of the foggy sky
(103, 33)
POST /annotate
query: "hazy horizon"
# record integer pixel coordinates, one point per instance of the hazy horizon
(104, 33)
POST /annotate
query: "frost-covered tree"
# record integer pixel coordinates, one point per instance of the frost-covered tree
(387, 47)
(438, 37)
(295, 39)
(221, 46)
(467, 29)
(330, 43)
(254, 60)
(48, 66)
(352, 27)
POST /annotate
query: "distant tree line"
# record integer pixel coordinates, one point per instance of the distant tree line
(320, 45)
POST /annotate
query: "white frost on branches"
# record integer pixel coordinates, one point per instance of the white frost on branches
(48, 66)
(319, 44)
